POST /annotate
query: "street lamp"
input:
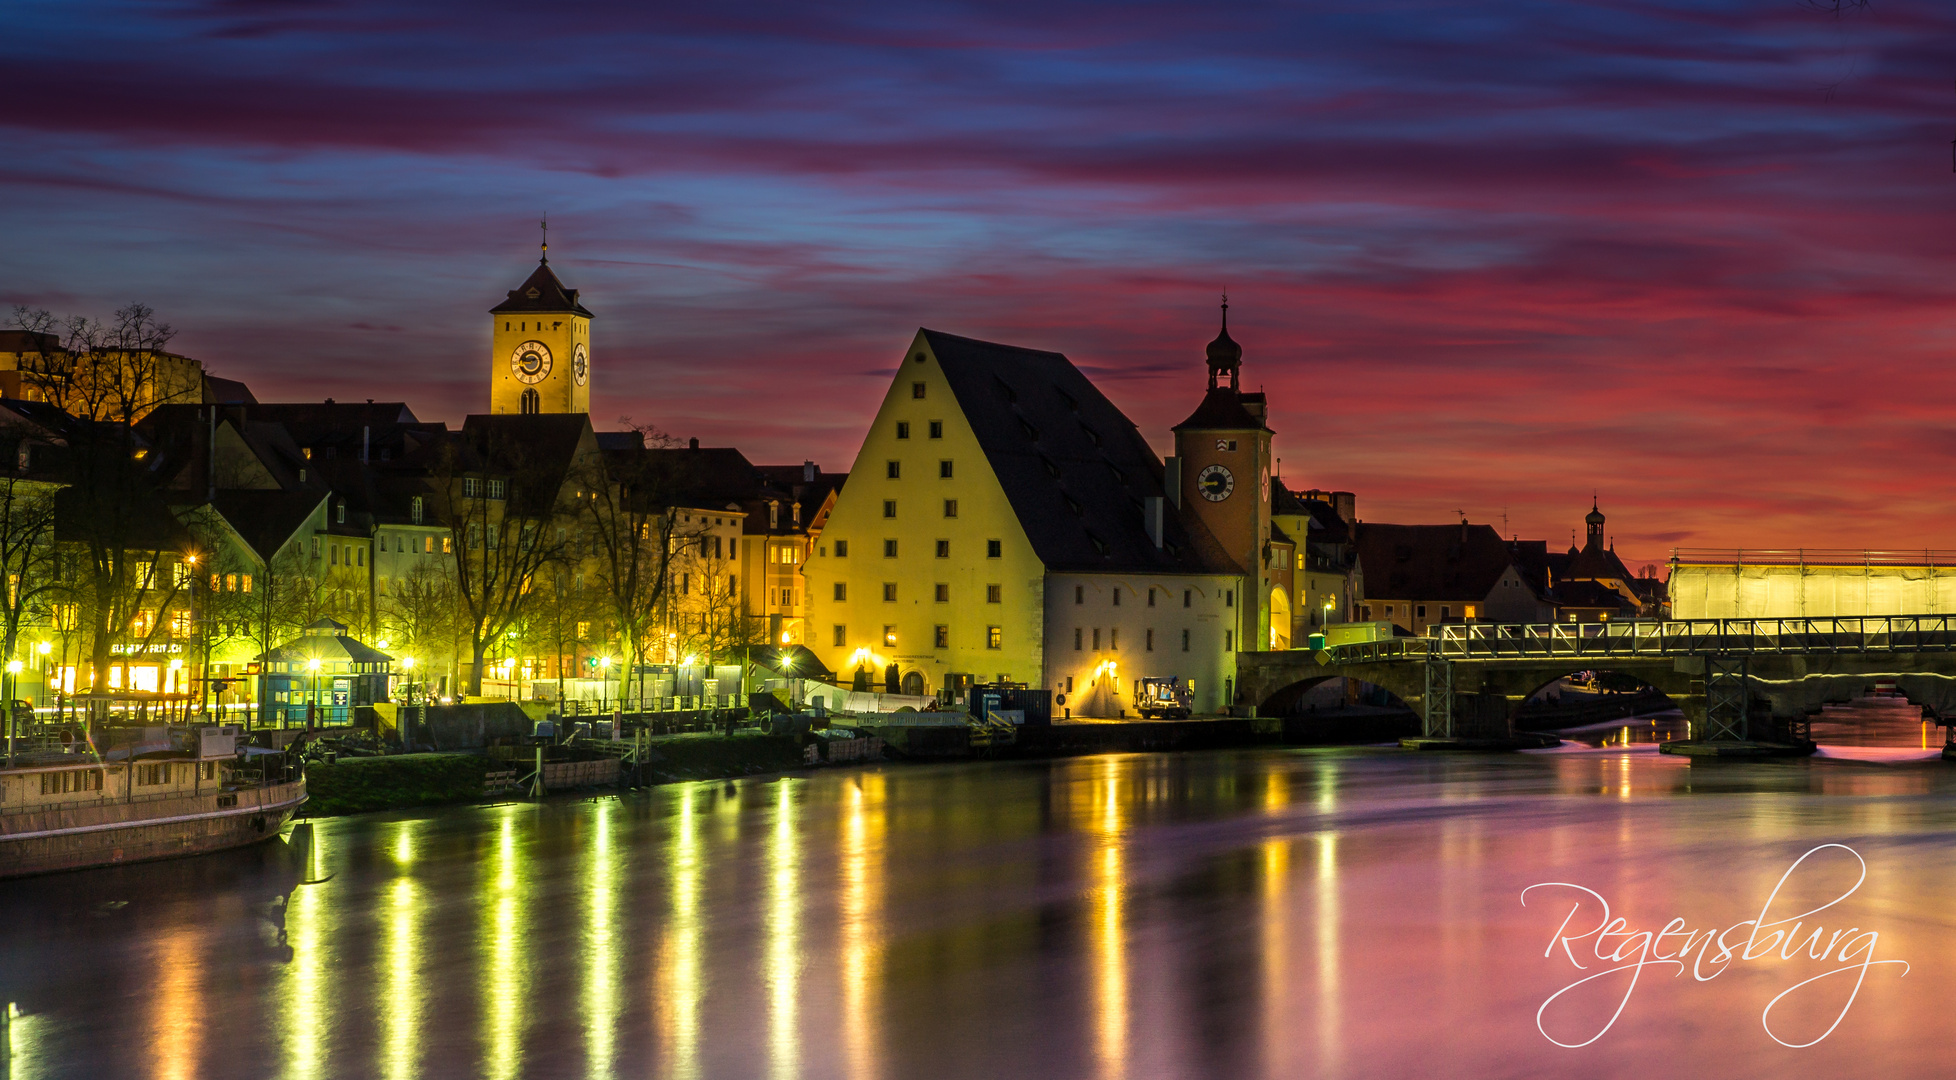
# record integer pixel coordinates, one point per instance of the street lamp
(13, 682)
(407, 665)
(312, 695)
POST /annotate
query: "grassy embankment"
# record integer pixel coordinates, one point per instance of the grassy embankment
(397, 782)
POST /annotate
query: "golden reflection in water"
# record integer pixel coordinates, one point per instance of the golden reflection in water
(304, 1013)
(1329, 917)
(601, 1004)
(1108, 920)
(176, 1022)
(679, 953)
(862, 944)
(506, 966)
(783, 933)
(1275, 950)
(400, 1007)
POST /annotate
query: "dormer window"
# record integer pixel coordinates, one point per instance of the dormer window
(414, 510)
(341, 512)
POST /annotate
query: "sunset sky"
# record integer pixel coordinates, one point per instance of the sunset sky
(1693, 255)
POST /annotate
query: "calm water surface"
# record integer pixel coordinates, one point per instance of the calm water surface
(1272, 913)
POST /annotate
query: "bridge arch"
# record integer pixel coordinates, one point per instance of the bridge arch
(1290, 700)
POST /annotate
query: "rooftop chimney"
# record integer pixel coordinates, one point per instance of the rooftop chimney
(807, 472)
(692, 444)
(364, 431)
(1153, 512)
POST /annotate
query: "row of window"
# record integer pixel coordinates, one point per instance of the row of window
(1114, 639)
(476, 487)
(950, 508)
(994, 594)
(1188, 596)
(940, 636)
(935, 427)
(523, 327)
(1418, 611)
(893, 470)
(993, 548)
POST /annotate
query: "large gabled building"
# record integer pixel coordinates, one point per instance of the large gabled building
(1004, 521)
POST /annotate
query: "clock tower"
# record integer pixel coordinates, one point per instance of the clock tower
(1222, 454)
(540, 359)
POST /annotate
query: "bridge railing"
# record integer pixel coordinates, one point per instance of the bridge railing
(1653, 638)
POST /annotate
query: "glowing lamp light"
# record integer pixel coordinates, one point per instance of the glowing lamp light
(44, 647)
(381, 644)
(784, 637)
(408, 663)
(13, 667)
(604, 661)
(312, 664)
(175, 664)
(191, 559)
(688, 662)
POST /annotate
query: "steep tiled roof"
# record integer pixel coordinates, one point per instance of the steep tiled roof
(1074, 467)
(266, 520)
(544, 293)
(1431, 562)
(1221, 410)
(1596, 562)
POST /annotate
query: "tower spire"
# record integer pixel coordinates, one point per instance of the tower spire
(545, 226)
(1225, 356)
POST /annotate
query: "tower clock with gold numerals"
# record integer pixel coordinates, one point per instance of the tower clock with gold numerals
(540, 361)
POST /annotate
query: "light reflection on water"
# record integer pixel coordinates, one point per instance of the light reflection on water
(1269, 913)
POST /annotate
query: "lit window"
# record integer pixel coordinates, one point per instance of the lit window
(889, 637)
(941, 638)
(994, 637)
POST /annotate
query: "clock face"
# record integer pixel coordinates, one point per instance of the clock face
(530, 362)
(1215, 483)
(580, 364)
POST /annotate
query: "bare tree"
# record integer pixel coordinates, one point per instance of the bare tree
(500, 504)
(107, 376)
(419, 611)
(629, 533)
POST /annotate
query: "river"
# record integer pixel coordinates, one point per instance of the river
(1347, 912)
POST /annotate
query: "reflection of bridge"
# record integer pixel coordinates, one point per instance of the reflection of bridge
(1735, 679)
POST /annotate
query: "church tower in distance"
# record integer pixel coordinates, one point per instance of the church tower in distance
(1222, 456)
(540, 361)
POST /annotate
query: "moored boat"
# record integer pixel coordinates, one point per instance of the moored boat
(182, 791)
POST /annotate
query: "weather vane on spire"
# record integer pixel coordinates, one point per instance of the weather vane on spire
(545, 226)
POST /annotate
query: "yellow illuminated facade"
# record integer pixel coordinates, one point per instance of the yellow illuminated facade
(894, 575)
(925, 564)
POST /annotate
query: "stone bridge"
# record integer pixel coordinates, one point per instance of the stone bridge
(1736, 680)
